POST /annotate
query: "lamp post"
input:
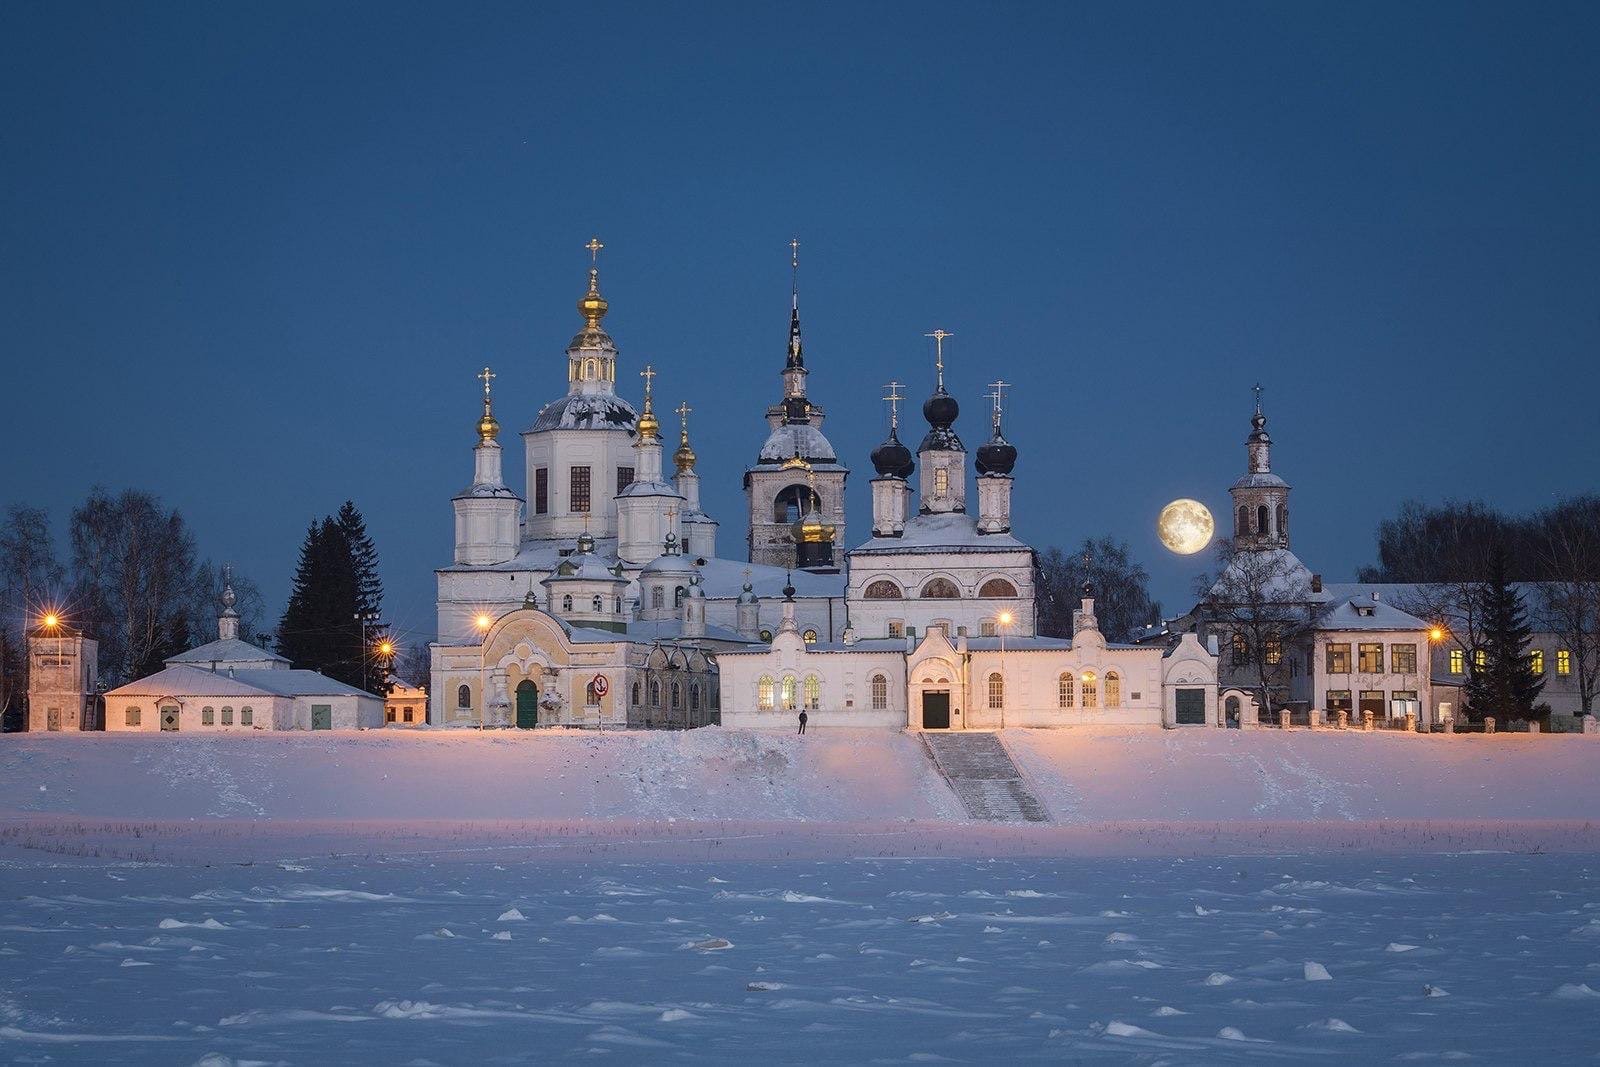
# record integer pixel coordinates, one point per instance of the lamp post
(1005, 683)
(483, 622)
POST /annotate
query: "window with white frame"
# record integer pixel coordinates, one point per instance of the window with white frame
(813, 691)
(997, 690)
(788, 693)
(764, 690)
(880, 692)
(1113, 689)
(1064, 689)
(1090, 691)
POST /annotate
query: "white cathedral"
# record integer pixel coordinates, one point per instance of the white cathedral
(598, 598)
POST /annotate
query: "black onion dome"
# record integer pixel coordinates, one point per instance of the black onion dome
(997, 455)
(893, 459)
(940, 410)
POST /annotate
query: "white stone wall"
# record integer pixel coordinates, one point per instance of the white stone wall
(845, 684)
(1032, 688)
(266, 713)
(1388, 681)
(602, 451)
(968, 570)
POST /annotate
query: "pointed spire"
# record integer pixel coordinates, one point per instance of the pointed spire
(939, 336)
(648, 424)
(796, 356)
(228, 620)
(1258, 446)
(592, 306)
(684, 457)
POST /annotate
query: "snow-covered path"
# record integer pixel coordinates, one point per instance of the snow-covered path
(1492, 956)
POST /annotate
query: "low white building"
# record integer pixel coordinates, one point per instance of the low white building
(230, 686)
(405, 705)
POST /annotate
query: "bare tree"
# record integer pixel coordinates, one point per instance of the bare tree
(1121, 588)
(32, 579)
(1260, 606)
(136, 579)
(207, 605)
(1568, 604)
(414, 666)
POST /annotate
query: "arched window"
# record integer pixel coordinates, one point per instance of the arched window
(1241, 647)
(657, 598)
(882, 589)
(616, 604)
(809, 637)
(1091, 690)
(997, 690)
(764, 693)
(813, 692)
(464, 696)
(1064, 687)
(635, 694)
(677, 696)
(1113, 690)
(208, 716)
(997, 587)
(1244, 520)
(940, 589)
(766, 635)
(880, 692)
(1283, 521)
(247, 716)
(788, 694)
(599, 604)
(591, 696)
(227, 716)
(792, 502)
(655, 693)
(694, 698)
(677, 597)
(1261, 521)
(566, 602)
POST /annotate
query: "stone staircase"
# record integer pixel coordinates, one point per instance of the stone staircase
(980, 772)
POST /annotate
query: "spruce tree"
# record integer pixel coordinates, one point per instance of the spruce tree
(335, 582)
(363, 557)
(1505, 686)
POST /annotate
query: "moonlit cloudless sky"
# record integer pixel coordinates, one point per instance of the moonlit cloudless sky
(251, 256)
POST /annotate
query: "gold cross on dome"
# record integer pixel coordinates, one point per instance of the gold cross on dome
(486, 376)
(683, 410)
(594, 246)
(649, 375)
(1258, 398)
(794, 252)
(998, 396)
(938, 348)
(894, 396)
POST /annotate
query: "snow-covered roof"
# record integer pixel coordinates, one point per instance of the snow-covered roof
(1261, 480)
(586, 411)
(797, 439)
(949, 532)
(721, 579)
(229, 650)
(650, 488)
(1365, 613)
(584, 567)
(1280, 572)
(484, 489)
(865, 644)
(184, 680)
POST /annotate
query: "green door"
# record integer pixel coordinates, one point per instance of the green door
(527, 705)
(1191, 707)
(321, 716)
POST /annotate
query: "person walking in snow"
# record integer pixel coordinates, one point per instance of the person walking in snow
(803, 718)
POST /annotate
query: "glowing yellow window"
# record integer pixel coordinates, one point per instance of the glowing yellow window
(1458, 661)
(1563, 662)
(1536, 660)
(941, 480)
(1480, 659)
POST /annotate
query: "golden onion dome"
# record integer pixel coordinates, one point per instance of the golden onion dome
(810, 529)
(591, 305)
(648, 426)
(488, 427)
(684, 457)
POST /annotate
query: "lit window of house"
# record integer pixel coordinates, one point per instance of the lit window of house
(1091, 690)
(1458, 661)
(1403, 659)
(1370, 658)
(941, 480)
(788, 694)
(764, 693)
(1113, 690)
(809, 637)
(813, 692)
(1274, 651)
(1064, 687)
(1536, 660)
(1338, 659)
(1563, 662)
(1480, 659)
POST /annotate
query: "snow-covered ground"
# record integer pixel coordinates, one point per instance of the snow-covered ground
(1495, 957)
(439, 897)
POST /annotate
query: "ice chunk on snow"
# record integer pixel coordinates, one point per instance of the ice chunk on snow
(511, 915)
(1218, 978)
(1119, 1029)
(1395, 946)
(1233, 1033)
(1332, 1026)
(179, 924)
(500, 935)
(1119, 936)
(1198, 910)
(710, 944)
(1569, 991)
(1434, 991)
(763, 987)
(677, 1015)
(1316, 972)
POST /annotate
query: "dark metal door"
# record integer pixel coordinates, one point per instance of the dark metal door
(936, 711)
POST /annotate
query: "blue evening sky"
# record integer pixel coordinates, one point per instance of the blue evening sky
(251, 255)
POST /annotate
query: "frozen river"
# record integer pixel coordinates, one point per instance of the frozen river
(1388, 957)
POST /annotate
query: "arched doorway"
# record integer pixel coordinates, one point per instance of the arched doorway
(527, 705)
(1231, 710)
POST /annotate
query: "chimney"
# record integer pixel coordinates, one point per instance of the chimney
(1316, 583)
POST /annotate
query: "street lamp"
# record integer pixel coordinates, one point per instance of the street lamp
(366, 619)
(1005, 623)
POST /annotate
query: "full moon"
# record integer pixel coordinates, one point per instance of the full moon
(1185, 526)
